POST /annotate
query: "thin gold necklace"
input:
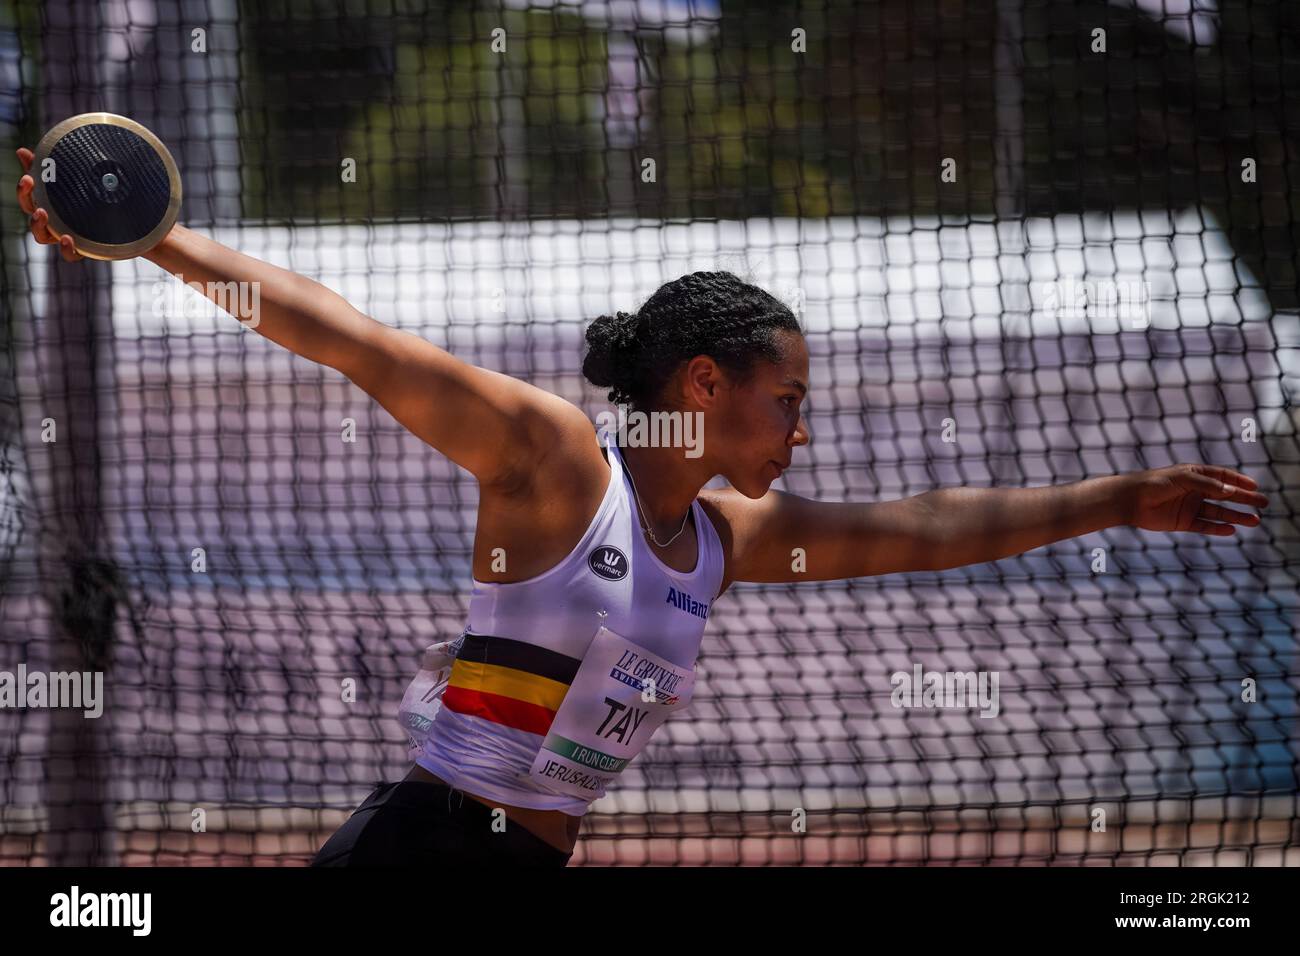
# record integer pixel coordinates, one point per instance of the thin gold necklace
(641, 513)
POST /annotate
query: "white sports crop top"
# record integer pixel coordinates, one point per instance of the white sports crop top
(542, 701)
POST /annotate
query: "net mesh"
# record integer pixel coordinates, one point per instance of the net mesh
(1025, 253)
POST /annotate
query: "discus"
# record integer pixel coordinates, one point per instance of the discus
(107, 182)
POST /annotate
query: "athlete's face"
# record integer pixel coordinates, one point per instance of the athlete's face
(758, 421)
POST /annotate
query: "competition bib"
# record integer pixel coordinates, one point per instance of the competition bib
(617, 700)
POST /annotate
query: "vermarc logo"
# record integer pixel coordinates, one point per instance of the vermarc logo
(608, 562)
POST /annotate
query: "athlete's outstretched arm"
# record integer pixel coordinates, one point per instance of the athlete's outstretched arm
(953, 527)
(494, 426)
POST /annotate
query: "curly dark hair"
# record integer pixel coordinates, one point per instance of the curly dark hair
(704, 313)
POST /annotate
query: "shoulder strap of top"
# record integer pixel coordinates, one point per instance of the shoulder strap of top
(712, 549)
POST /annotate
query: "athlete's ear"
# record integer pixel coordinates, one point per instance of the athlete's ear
(701, 380)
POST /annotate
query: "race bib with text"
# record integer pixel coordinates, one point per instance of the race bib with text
(620, 696)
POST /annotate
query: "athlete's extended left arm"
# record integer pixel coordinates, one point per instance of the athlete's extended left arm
(952, 527)
(985, 524)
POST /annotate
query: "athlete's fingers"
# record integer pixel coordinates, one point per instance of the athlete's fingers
(1231, 477)
(25, 202)
(1215, 512)
(1201, 526)
(68, 249)
(1224, 484)
(1241, 496)
(25, 156)
(1221, 490)
(40, 227)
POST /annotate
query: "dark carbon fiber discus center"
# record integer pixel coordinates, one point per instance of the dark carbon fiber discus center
(109, 184)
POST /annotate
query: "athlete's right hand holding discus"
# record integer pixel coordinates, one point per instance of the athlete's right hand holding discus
(38, 221)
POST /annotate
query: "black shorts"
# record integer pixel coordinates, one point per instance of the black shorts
(418, 823)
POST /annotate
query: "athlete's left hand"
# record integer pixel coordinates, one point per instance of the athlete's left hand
(1181, 498)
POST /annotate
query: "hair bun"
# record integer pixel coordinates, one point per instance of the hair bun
(610, 340)
(624, 330)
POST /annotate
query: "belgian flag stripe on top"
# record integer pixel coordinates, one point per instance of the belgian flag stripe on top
(509, 682)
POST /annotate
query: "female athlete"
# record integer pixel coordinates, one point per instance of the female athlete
(616, 555)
